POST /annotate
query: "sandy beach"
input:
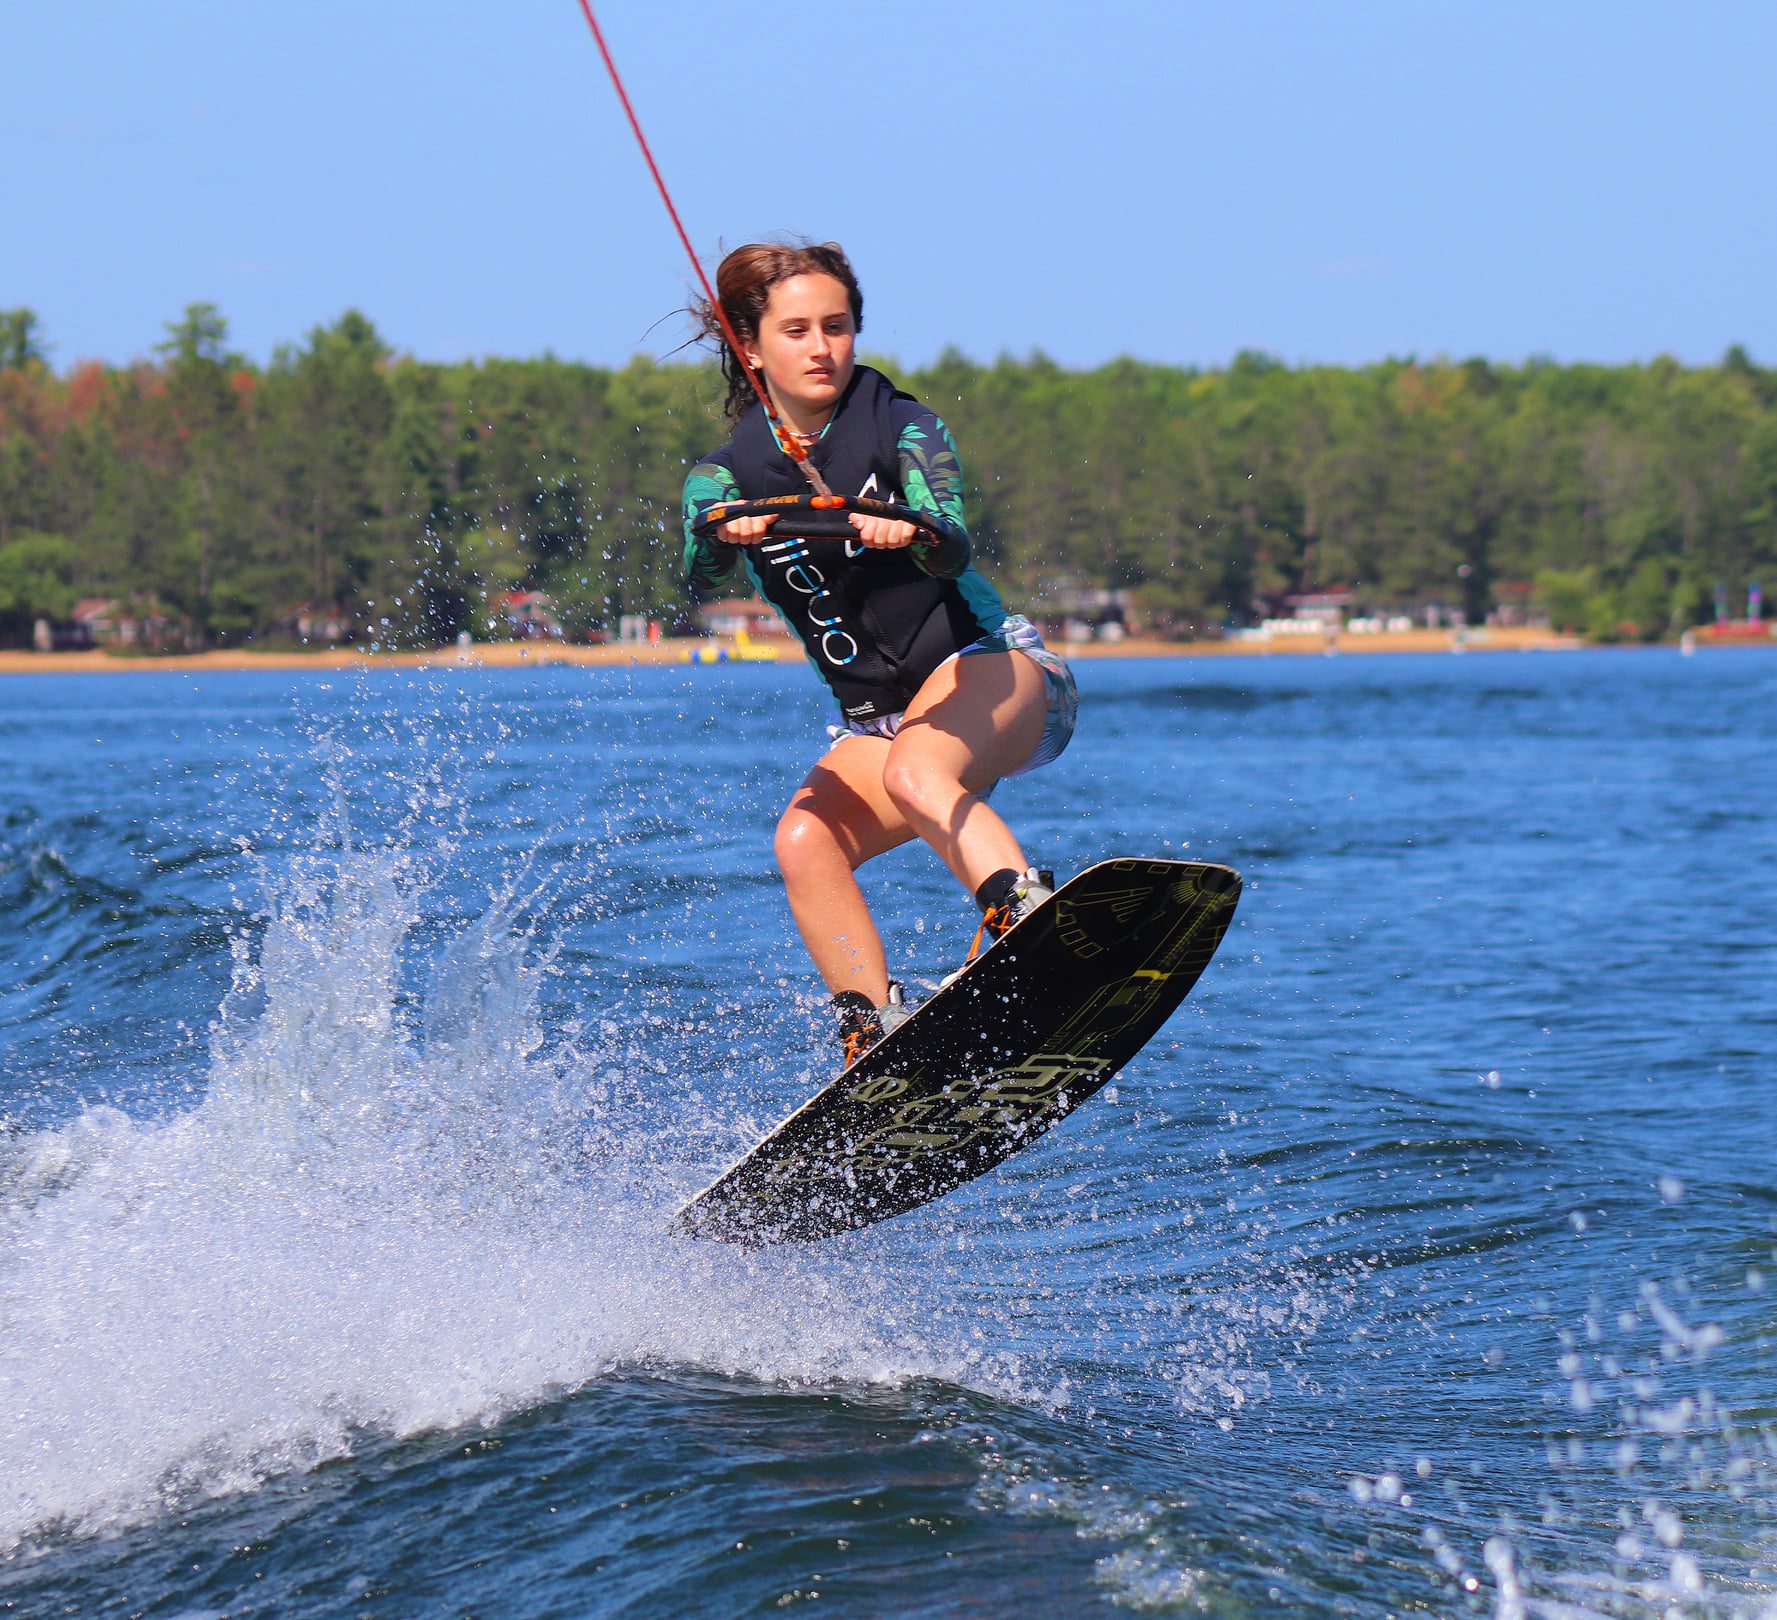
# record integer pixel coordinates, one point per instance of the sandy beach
(676, 650)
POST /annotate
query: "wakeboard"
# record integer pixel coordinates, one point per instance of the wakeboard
(1026, 1033)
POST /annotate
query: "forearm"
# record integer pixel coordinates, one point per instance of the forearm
(707, 561)
(932, 481)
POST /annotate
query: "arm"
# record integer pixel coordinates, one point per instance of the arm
(707, 561)
(932, 479)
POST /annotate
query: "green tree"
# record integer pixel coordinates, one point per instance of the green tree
(209, 510)
(1646, 602)
(36, 581)
(493, 562)
(1566, 596)
(332, 410)
(20, 346)
(416, 575)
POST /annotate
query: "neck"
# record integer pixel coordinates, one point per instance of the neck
(801, 420)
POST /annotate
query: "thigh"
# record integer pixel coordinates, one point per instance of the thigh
(976, 719)
(844, 793)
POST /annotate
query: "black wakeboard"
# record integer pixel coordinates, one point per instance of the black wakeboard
(1020, 1039)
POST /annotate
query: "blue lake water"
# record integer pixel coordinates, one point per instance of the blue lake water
(359, 1033)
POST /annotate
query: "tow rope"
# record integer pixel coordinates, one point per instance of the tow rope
(791, 446)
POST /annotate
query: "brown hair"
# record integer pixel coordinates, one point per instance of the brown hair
(744, 280)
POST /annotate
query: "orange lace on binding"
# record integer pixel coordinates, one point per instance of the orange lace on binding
(857, 1043)
(995, 920)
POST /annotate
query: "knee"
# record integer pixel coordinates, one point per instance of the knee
(914, 791)
(804, 844)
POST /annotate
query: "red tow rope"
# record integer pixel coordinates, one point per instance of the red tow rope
(792, 446)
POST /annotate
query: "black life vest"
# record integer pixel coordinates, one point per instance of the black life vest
(874, 622)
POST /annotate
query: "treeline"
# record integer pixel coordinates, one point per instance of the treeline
(240, 502)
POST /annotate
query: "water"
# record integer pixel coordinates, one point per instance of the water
(360, 1033)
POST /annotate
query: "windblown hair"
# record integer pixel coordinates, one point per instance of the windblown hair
(744, 280)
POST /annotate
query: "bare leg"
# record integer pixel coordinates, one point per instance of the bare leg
(839, 818)
(975, 719)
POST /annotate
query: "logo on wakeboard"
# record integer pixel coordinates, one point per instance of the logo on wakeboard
(1005, 1102)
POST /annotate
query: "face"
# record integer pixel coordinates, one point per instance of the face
(805, 343)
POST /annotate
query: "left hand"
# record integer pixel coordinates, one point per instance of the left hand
(883, 534)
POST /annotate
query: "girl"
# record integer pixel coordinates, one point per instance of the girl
(941, 691)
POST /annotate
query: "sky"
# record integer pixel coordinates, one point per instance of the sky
(1330, 181)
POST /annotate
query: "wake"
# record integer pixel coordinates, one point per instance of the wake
(387, 1214)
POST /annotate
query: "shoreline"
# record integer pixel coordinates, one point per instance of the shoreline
(676, 651)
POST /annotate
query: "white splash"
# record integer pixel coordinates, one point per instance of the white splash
(376, 1220)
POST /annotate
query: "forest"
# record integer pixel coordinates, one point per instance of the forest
(397, 501)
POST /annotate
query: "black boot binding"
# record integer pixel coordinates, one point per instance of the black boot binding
(862, 1023)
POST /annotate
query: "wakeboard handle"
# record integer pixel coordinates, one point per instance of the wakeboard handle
(812, 517)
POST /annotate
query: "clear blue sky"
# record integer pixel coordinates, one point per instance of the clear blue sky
(1328, 180)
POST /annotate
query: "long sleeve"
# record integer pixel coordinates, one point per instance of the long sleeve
(707, 561)
(932, 480)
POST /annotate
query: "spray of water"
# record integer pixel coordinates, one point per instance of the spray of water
(387, 1214)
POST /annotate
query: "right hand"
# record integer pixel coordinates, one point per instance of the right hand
(746, 531)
